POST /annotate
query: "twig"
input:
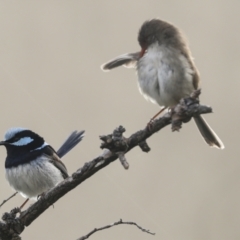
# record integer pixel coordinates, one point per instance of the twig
(114, 224)
(123, 160)
(112, 144)
(4, 201)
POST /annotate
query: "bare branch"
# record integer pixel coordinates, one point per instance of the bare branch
(113, 144)
(4, 201)
(144, 146)
(123, 160)
(114, 224)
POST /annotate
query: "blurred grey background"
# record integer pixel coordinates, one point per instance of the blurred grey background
(51, 82)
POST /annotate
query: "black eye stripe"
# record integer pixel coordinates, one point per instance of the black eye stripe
(14, 139)
(37, 140)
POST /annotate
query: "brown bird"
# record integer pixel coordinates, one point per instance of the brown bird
(166, 71)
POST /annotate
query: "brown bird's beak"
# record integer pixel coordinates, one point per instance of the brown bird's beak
(143, 50)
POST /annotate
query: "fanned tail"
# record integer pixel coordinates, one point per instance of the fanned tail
(70, 143)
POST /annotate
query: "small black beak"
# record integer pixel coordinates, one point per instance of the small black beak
(3, 143)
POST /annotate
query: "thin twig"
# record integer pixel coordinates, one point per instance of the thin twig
(4, 201)
(112, 144)
(123, 160)
(114, 224)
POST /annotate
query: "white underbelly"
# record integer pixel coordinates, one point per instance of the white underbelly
(34, 178)
(164, 77)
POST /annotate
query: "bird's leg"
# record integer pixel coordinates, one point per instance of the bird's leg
(152, 119)
(23, 204)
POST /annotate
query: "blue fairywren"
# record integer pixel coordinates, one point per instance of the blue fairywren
(32, 165)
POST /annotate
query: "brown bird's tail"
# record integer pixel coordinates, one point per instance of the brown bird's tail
(207, 133)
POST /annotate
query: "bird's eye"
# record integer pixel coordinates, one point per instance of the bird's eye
(16, 139)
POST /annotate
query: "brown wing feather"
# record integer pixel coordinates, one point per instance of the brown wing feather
(56, 161)
(127, 60)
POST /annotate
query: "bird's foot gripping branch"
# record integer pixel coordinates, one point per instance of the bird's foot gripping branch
(186, 109)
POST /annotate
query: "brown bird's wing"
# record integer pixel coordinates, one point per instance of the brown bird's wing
(128, 60)
(50, 153)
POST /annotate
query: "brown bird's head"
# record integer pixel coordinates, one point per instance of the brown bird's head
(158, 31)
